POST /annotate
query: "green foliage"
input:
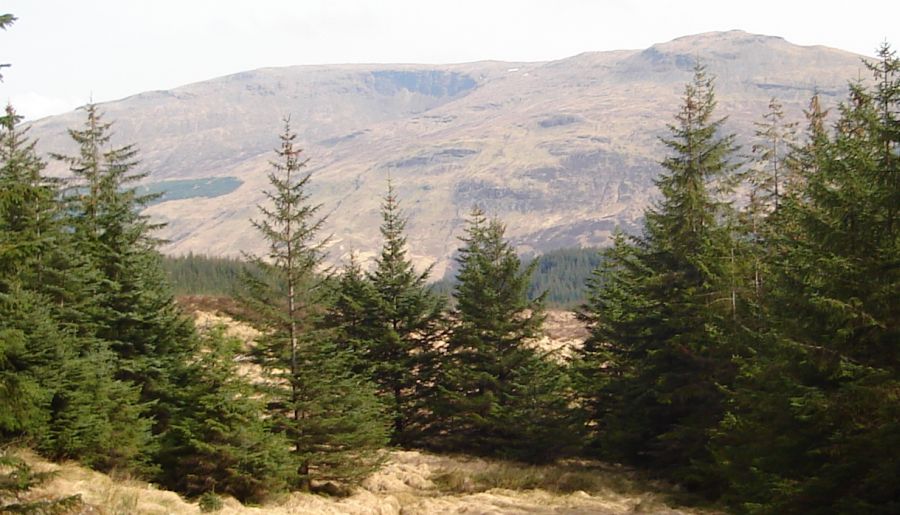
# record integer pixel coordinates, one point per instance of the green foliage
(196, 274)
(393, 322)
(770, 176)
(329, 415)
(64, 398)
(135, 311)
(560, 275)
(812, 422)
(499, 395)
(652, 371)
(220, 439)
(210, 502)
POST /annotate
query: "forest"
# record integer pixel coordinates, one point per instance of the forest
(561, 273)
(743, 345)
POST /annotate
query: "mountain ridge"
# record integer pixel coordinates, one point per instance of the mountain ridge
(563, 151)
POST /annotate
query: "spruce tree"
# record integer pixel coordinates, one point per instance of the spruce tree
(350, 314)
(821, 380)
(499, 394)
(329, 415)
(769, 177)
(604, 367)
(66, 401)
(402, 324)
(658, 324)
(28, 199)
(133, 307)
(220, 440)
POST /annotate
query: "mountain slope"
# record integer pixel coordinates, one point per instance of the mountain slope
(562, 151)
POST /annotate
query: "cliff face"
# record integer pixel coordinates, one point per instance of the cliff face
(562, 151)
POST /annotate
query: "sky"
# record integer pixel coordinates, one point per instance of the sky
(67, 52)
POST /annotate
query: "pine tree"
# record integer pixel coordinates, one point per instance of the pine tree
(65, 399)
(133, 308)
(660, 304)
(329, 415)
(403, 323)
(220, 440)
(500, 395)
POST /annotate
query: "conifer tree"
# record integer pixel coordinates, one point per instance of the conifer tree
(803, 161)
(329, 415)
(134, 309)
(220, 440)
(402, 325)
(28, 202)
(657, 321)
(67, 402)
(350, 314)
(820, 382)
(500, 395)
(603, 368)
(769, 176)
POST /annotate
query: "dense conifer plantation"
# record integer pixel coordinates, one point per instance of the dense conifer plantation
(196, 274)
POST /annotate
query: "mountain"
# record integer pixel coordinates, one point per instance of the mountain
(563, 151)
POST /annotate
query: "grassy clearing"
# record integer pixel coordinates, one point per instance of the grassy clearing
(562, 478)
(410, 483)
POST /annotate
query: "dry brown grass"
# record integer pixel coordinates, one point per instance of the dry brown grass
(411, 483)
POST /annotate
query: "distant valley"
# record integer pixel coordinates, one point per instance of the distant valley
(563, 151)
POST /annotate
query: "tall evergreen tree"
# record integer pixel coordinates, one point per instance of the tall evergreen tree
(30, 216)
(499, 394)
(329, 415)
(821, 381)
(67, 402)
(403, 322)
(769, 177)
(135, 311)
(660, 303)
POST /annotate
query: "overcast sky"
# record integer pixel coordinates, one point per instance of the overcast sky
(65, 52)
